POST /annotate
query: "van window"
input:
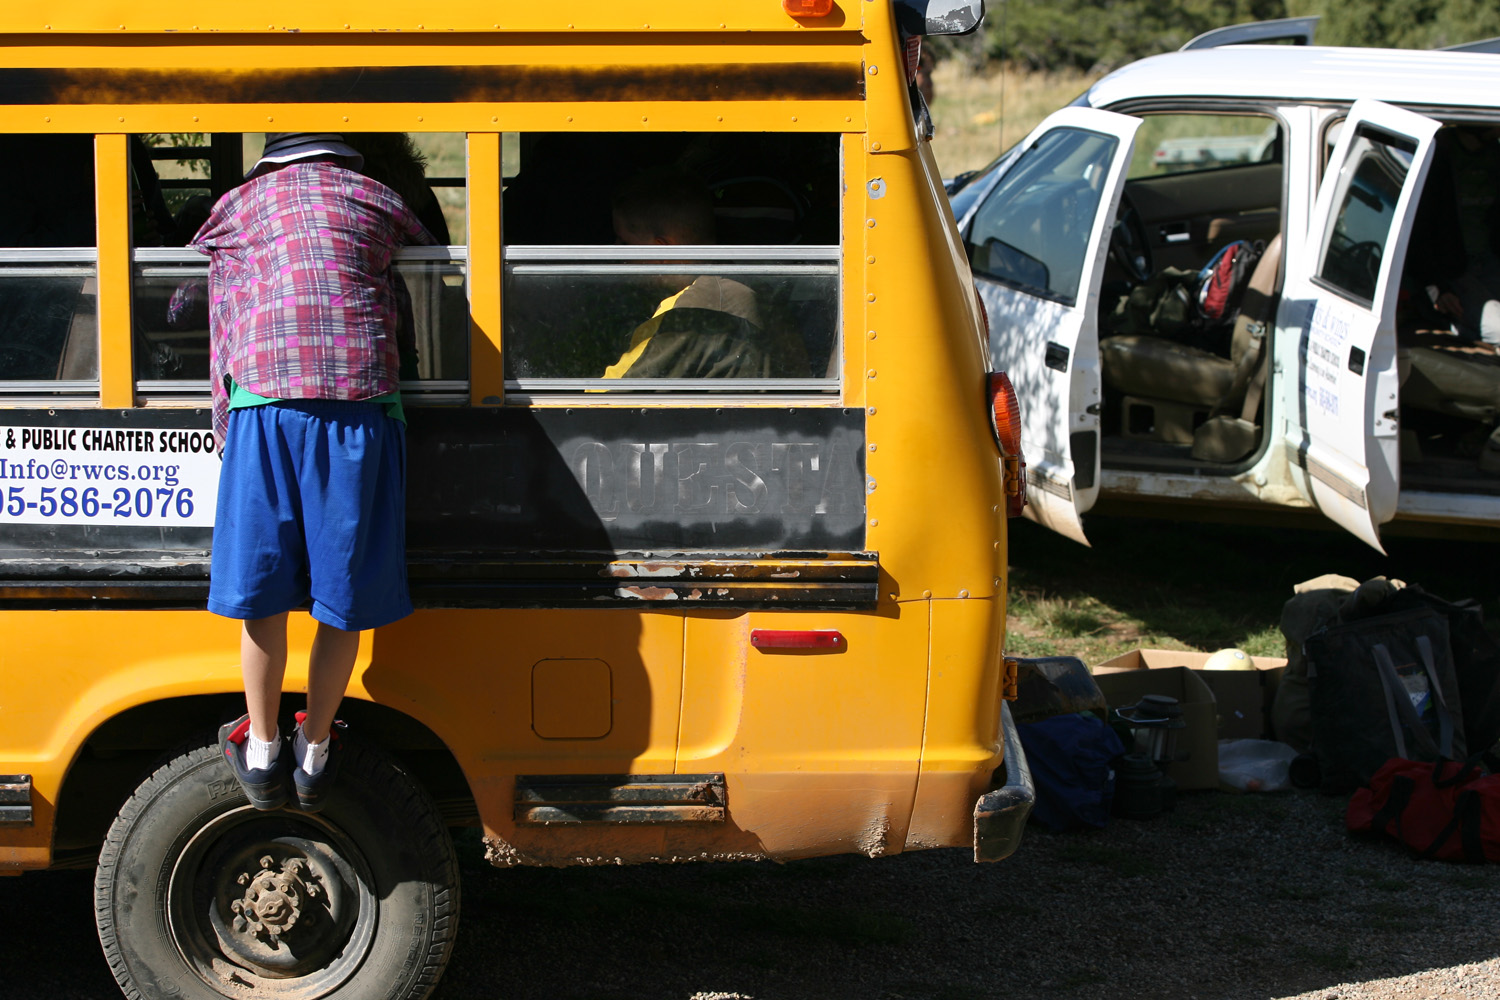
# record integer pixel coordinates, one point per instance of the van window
(48, 265)
(181, 176)
(681, 262)
(1033, 231)
(1187, 143)
(1364, 206)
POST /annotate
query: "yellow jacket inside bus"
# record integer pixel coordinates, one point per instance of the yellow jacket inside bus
(776, 576)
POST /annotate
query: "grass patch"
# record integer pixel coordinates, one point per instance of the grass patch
(1090, 621)
(1202, 586)
(979, 113)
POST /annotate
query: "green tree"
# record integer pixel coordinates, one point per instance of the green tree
(1097, 34)
(1406, 24)
(1101, 34)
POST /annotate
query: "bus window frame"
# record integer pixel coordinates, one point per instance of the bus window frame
(760, 260)
(46, 262)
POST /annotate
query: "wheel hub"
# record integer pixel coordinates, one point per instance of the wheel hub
(274, 899)
(282, 907)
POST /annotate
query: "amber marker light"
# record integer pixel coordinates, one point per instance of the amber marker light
(771, 638)
(807, 8)
(1005, 421)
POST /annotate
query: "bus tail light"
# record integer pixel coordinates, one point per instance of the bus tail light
(771, 638)
(1005, 421)
(807, 8)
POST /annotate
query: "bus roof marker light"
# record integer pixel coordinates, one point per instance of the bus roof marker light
(807, 8)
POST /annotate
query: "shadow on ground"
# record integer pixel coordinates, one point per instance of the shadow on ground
(1229, 897)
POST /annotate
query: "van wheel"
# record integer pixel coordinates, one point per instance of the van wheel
(198, 895)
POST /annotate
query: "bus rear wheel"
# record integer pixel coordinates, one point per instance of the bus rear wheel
(198, 895)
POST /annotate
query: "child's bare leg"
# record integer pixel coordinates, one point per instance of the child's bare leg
(328, 672)
(263, 663)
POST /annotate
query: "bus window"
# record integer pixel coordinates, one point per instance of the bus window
(170, 280)
(704, 263)
(48, 265)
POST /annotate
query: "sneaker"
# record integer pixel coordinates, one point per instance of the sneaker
(265, 787)
(313, 788)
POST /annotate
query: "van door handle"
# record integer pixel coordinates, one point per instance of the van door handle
(1056, 357)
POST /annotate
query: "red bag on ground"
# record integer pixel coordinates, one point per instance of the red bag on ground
(1445, 810)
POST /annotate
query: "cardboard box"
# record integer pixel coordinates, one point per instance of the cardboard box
(1198, 744)
(1244, 697)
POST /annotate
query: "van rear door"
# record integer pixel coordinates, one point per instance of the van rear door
(1037, 244)
(1342, 420)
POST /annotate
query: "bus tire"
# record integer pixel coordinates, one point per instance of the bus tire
(197, 895)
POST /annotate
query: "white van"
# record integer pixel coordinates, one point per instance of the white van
(1356, 396)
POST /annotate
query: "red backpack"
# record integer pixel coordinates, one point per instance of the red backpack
(1447, 810)
(1221, 283)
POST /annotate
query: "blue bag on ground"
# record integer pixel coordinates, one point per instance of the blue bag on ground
(1070, 757)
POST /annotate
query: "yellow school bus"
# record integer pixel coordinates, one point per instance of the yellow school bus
(749, 611)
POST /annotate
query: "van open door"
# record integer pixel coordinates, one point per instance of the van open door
(1342, 419)
(1037, 244)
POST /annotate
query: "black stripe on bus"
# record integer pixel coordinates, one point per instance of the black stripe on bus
(434, 84)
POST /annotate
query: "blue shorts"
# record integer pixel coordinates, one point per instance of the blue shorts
(312, 505)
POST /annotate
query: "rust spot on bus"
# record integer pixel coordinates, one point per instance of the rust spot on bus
(647, 593)
(434, 84)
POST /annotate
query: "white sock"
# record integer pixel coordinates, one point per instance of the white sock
(261, 754)
(310, 756)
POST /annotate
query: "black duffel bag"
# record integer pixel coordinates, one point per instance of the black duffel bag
(1382, 687)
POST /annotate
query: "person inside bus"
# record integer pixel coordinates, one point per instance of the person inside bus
(710, 327)
(304, 360)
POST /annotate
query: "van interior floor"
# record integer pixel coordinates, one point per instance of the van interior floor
(1121, 452)
(1448, 475)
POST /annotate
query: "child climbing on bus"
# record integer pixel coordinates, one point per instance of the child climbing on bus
(304, 364)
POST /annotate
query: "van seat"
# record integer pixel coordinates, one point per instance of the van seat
(1456, 382)
(1157, 368)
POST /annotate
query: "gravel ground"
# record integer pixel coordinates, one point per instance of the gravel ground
(1229, 897)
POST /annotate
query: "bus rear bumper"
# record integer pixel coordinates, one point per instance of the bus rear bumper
(1000, 815)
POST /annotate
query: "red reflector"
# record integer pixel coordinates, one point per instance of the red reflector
(770, 638)
(1005, 414)
(1005, 420)
(807, 8)
(913, 57)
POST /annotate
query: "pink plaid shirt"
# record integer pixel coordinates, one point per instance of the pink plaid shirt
(302, 298)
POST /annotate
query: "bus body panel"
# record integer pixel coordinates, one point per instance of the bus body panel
(880, 746)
